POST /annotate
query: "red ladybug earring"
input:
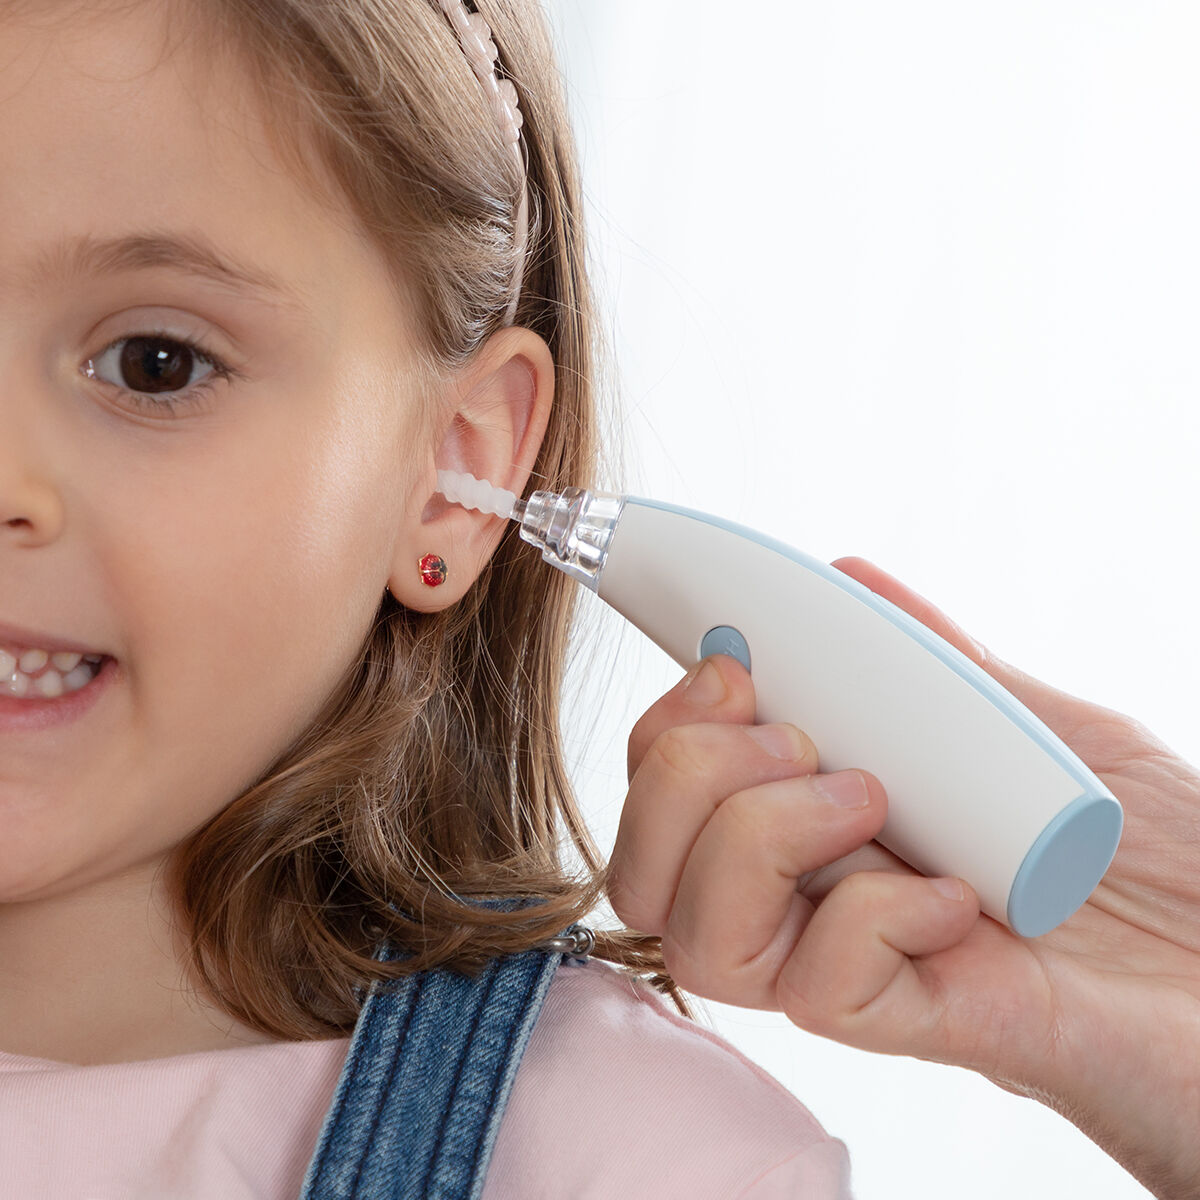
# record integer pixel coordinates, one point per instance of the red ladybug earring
(433, 570)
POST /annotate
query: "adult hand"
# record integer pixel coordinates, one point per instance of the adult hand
(768, 896)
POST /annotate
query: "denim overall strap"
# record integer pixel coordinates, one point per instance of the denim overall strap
(430, 1066)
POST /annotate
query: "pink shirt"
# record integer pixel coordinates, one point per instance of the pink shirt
(617, 1095)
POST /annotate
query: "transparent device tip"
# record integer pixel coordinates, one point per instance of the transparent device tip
(573, 529)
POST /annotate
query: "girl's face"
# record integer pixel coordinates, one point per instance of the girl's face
(231, 556)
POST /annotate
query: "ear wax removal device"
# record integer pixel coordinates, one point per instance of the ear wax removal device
(978, 787)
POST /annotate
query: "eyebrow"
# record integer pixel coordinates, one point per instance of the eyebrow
(189, 253)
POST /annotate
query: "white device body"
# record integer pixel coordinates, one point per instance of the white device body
(978, 787)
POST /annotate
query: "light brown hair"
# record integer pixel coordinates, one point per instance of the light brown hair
(436, 769)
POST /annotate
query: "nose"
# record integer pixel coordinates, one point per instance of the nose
(31, 510)
(30, 513)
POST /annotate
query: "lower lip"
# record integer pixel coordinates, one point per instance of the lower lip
(27, 716)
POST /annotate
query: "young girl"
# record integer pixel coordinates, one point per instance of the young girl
(278, 724)
(283, 902)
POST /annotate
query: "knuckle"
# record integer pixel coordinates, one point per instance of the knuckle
(676, 749)
(744, 814)
(864, 891)
(1116, 742)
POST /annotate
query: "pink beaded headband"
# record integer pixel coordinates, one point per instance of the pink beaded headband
(476, 38)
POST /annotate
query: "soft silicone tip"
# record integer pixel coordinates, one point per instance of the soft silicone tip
(465, 489)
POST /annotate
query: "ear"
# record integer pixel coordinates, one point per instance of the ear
(491, 425)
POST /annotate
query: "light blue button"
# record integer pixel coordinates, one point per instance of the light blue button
(724, 639)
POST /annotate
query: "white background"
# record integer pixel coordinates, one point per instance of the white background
(918, 283)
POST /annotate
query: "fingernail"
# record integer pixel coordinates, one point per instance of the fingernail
(952, 889)
(780, 741)
(846, 789)
(704, 685)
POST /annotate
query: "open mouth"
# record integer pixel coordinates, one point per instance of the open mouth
(39, 675)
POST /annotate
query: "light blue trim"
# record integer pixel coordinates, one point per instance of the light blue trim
(939, 647)
(1059, 872)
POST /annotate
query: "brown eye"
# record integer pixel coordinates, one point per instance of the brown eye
(155, 370)
(151, 364)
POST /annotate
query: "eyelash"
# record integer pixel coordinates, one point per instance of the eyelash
(193, 398)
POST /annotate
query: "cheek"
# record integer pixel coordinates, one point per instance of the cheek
(277, 536)
(239, 598)
(246, 590)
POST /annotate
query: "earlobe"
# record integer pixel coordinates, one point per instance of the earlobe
(495, 416)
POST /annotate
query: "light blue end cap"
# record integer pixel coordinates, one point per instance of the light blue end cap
(1064, 865)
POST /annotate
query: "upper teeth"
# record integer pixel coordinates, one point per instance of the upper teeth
(71, 671)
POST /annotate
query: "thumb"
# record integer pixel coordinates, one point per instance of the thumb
(1061, 712)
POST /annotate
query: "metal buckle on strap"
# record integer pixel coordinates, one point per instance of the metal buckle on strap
(578, 942)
